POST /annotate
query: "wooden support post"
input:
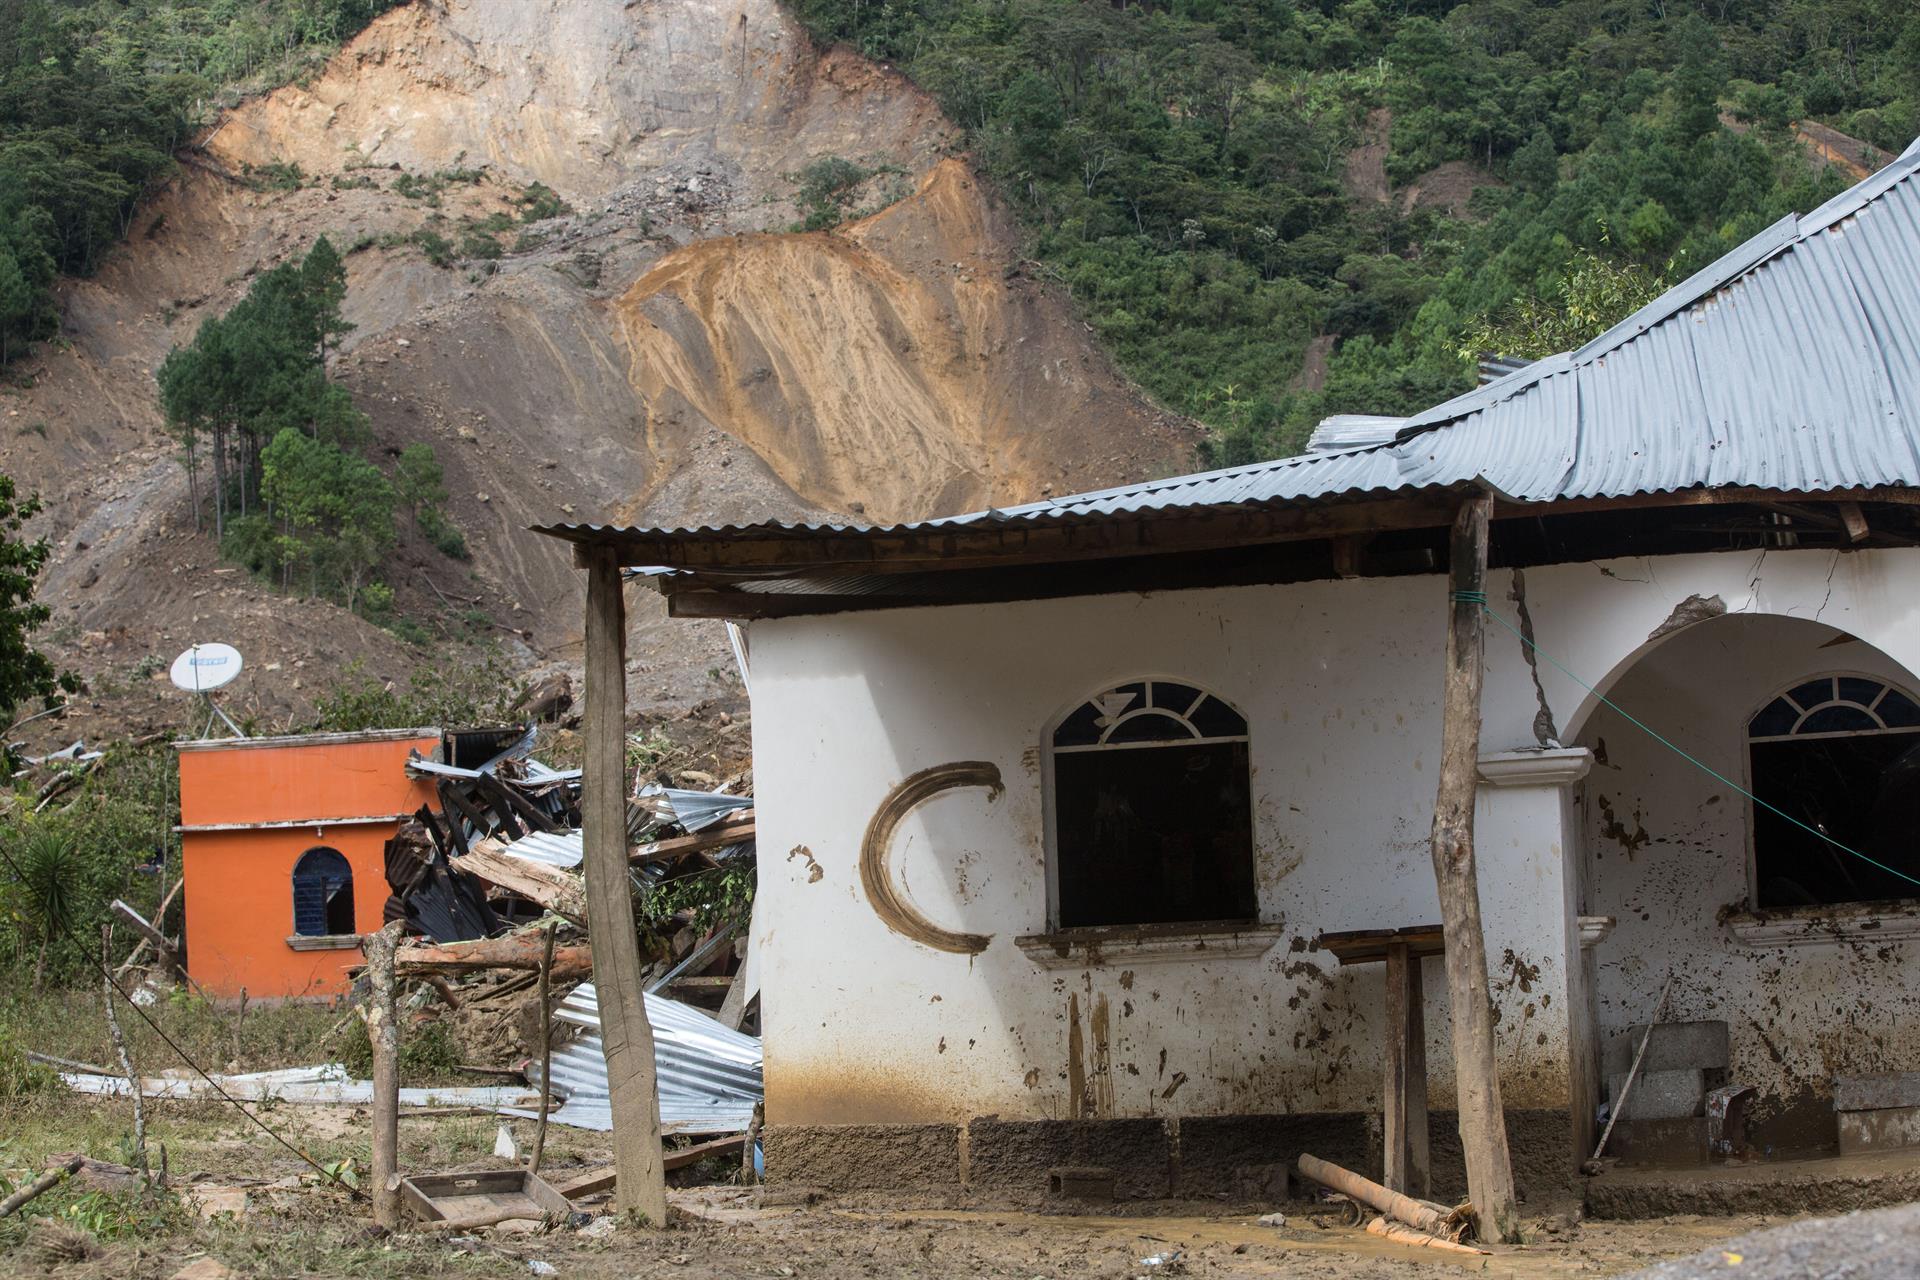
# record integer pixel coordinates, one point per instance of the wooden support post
(546, 1047)
(383, 1033)
(126, 1062)
(1407, 1163)
(625, 1033)
(1483, 1129)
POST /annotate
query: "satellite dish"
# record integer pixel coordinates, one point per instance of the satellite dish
(204, 668)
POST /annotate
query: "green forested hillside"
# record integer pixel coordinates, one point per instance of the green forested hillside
(95, 96)
(1183, 166)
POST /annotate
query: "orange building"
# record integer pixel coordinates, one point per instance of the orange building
(282, 843)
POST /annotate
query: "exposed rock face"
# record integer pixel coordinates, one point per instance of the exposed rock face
(665, 354)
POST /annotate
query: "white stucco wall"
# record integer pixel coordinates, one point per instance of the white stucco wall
(1666, 850)
(1340, 683)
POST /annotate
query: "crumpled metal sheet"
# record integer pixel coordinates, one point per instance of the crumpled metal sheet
(563, 849)
(710, 1077)
(691, 810)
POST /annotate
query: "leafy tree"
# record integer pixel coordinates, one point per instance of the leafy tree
(26, 674)
(336, 507)
(1594, 295)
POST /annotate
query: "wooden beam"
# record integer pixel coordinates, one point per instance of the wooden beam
(733, 832)
(625, 1034)
(552, 888)
(1855, 521)
(1483, 1128)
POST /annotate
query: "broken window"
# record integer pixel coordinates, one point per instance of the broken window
(1152, 809)
(322, 894)
(1840, 754)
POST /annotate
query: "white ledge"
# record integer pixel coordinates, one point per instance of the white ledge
(1148, 944)
(1546, 767)
(1825, 927)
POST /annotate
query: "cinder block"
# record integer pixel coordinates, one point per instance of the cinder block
(1676, 1142)
(1660, 1095)
(1676, 1046)
(1874, 1093)
(1887, 1129)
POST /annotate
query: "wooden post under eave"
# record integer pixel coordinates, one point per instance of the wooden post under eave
(1483, 1129)
(628, 1039)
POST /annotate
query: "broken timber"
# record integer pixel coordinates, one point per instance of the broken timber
(711, 838)
(1483, 1128)
(515, 951)
(552, 888)
(1431, 1218)
(626, 1036)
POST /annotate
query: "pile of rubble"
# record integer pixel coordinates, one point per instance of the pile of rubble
(480, 883)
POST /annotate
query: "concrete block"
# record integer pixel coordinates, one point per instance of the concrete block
(1873, 1093)
(1660, 1095)
(1678, 1142)
(1887, 1129)
(1676, 1046)
(1016, 1157)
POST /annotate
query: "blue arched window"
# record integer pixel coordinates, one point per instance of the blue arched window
(322, 894)
(1840, 754)
(1152, 809)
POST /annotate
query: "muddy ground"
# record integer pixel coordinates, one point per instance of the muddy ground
(286, 1225)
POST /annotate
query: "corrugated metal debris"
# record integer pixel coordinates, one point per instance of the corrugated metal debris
(324, 1085)
(709, 1075)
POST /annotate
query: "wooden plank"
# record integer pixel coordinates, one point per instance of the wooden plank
(732, 832)
(693, 1155)
(552, 888)
(1856, 522)
(625, 1034)
(1483, 1128)
(1369, 946)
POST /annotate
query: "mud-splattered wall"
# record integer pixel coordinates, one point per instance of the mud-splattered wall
(1340, 683)
(1667, 851)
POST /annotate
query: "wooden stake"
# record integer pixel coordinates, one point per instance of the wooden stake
(625, 1034)
(383, 1031)
(120, 1050)
(546, 1047)
(1406, 1160)
(1483, 1129)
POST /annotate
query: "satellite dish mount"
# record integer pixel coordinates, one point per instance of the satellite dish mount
(202, 669)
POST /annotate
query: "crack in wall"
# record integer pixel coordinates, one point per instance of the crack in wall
(1545, 732)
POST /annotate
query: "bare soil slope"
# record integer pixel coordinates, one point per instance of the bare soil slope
(665, 353)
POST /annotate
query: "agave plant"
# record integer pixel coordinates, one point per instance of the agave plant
(49, 889)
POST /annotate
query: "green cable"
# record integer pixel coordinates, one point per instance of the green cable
(1480, 597)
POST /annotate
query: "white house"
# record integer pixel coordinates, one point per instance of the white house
(1073, 791)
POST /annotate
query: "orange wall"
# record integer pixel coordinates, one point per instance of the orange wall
(239, 883)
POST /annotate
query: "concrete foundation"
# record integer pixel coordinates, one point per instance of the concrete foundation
(1245, 1158)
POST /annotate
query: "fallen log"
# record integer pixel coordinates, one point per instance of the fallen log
(556, 890)
(1429, 1217)
(514, 951)
(1401, 1234)
(41, 1185)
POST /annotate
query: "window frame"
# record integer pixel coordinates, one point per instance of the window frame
(1049, 807)
(316, 941)
(1861, 913)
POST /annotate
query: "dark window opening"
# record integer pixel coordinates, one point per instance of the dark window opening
(322, 895)
(1153, 812)
(1840, 754)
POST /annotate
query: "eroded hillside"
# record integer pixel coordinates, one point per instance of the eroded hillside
(662, 353)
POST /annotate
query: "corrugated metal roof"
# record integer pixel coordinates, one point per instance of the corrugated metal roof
(1792, 363)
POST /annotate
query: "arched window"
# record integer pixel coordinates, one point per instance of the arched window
(322, 894)
(1841, 754)
(1152, 809)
